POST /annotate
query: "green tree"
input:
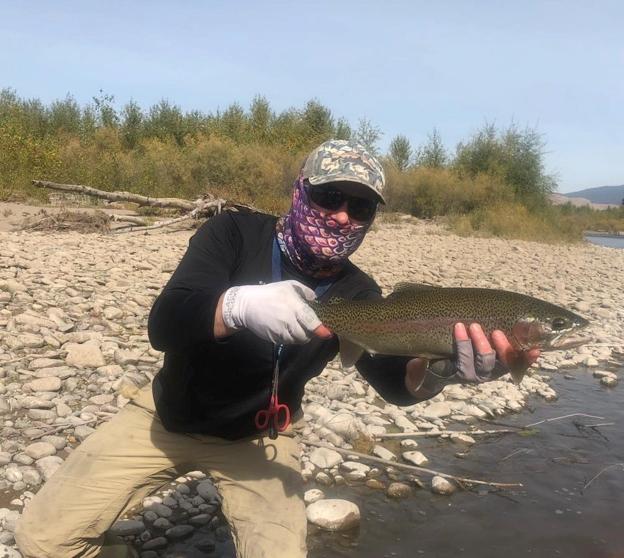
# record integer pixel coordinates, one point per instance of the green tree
(65, 116)
(432, 154)
(105, 110)
(368, 135)
(342, 130)
(233, 123)
(131, 124)
(400, 152)
(516, 156)
(317, 122)
(260, 119)
(166, 121)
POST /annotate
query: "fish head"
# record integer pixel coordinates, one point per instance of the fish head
(551, 328)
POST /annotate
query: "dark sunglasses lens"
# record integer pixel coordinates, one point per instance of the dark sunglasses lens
(328, 199)
(361, 209)
(358, 208)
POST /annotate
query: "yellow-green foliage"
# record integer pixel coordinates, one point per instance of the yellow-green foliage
(514, 220)
(495, 184)
(546, 224)
(22, 157)
(260, 175)
(428, 192)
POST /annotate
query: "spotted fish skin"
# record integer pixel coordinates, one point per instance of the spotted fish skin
(418, 320)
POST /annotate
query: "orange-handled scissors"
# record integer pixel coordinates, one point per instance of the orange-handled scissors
(277, 417)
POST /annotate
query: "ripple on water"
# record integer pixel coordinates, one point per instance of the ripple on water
(551, 515)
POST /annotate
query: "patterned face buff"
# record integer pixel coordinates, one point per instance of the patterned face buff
(315, 244)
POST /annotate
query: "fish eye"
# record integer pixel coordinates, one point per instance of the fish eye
(559, 323)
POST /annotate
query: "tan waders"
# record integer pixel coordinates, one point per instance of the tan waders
(132, 456)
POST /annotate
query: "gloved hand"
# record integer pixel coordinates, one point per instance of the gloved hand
(277, 312)
(475, 361)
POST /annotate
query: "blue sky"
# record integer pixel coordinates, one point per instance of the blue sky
(407, 66)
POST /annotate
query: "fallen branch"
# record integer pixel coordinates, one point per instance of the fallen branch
(116, 196)
(408, 467)
(204, 207)
(521, 450)
(621, 465)
(561, 418)
(435, 433)
(159, 225)
(129, 219)
(63, 426)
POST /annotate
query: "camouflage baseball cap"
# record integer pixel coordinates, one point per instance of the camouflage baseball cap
(342, 160)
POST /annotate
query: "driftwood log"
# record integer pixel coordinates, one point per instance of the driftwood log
(202, 208)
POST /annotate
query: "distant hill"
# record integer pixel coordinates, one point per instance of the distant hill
(602, 194)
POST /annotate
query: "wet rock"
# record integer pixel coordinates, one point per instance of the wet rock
(354, 470)
(384, 453)
(398, 490)
(179, 532)
(440, 485)
(200, 519)
(155, 543)
(207, 490)
(462, 439)
(416, 457)
(127, 527)
(323, 479)
(437, 410)
(161, 509)
(333, 514)
(313, 495)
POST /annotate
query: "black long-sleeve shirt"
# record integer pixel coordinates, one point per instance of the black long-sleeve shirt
(216, 386)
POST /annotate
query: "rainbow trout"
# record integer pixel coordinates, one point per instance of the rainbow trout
(417, 320)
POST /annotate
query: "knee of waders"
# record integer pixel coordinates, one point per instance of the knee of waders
(26, 535)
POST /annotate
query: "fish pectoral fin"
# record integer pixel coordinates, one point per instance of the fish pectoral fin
(406, 287)
(350, 352)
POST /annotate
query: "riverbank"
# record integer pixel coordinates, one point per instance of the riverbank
(73, 345)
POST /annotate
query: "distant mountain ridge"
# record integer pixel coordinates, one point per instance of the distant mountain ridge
(601, 194)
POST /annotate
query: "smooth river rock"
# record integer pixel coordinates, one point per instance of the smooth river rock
(333, 514)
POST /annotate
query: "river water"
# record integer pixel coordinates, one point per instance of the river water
(610, 241)
(560, 510)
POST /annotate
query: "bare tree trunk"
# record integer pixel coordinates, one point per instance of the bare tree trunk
(203, 207)
(117, 196)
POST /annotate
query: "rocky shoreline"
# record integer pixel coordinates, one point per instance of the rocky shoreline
(73, 349)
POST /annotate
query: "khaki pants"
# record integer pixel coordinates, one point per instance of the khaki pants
(133, 455)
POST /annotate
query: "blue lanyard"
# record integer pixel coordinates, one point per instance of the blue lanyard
(276, 272)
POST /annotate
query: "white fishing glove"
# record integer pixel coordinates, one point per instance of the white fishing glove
(277, 312)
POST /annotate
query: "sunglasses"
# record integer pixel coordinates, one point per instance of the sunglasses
(360, 209)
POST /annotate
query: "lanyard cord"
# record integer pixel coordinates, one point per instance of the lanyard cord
(276, 275)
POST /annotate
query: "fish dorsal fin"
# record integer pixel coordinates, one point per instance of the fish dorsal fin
(406, 287)
(349, 352)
